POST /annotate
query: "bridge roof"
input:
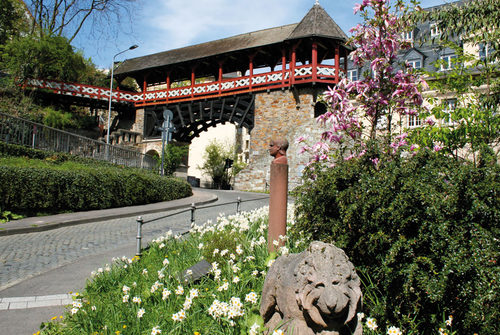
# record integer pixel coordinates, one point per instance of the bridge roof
(316, 23)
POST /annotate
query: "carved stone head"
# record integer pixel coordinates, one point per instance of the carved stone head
(314, 292)
(277, 149)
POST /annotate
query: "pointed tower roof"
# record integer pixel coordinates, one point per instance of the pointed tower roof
(317, 23)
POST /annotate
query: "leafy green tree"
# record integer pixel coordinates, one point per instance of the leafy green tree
(472, 122)
(174, 155)
(474, 21)
(48, 57)
(12, 20)
(221, 164)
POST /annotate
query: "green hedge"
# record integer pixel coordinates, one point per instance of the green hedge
(86, 184)
(32, 190)
(424, 229)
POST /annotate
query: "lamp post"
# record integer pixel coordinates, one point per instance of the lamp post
(111, 93)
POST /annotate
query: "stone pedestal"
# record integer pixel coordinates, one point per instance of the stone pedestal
(277, 204)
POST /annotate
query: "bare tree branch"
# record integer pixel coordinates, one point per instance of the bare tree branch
(68, 17)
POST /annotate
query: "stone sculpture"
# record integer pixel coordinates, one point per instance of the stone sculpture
(277, 149)
(314, 292)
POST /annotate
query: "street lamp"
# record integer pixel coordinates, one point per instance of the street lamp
(111, 90)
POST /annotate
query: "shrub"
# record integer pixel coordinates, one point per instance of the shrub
(425, 229)
(32, 190)
(70, 183)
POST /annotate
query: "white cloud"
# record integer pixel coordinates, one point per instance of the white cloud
(178, 23)
(167, 24)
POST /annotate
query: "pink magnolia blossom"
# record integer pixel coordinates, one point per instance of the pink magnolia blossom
(377, 43)
(430, 121)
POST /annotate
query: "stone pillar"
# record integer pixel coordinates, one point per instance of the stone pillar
(277, 205)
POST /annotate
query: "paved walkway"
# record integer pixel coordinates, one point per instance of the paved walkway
(36, 301)
(30, 246)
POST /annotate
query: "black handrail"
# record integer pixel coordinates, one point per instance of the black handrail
(192, 209)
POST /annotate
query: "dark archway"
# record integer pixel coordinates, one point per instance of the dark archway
(153, 153)
(192, 118)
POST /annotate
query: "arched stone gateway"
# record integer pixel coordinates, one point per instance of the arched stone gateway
(153, 153)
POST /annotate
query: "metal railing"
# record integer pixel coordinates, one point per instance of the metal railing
(15, 130)
(192, 209)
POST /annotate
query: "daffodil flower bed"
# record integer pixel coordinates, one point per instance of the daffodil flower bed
(149, 295)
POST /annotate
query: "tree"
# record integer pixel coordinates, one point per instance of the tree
(384, 93)
(221, 164)
(474, 21)
(67, 18)
(174, 155)
(48, 57)
(472, 123)
(12, 20)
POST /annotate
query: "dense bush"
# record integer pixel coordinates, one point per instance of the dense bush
(425, 229)
(69, 183)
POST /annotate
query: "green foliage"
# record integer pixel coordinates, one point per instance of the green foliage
(14, 150)
(57, 119)
(65, 183)
(217, 156)
(42, 57)
(425, 229)
(6, 216)
(473, 21)
(475, 120)
(173, 157)
(12, 21)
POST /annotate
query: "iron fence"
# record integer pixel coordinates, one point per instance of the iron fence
(19, 131)
(192, 209)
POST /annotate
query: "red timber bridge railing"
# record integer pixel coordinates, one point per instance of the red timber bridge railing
(239, 85)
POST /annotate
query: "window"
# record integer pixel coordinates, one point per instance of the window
(352, 75)
(435, 30)
(449, 107)
(447, 62)
(414, 121)
(485, 51)
(407, 36)
(415, 63)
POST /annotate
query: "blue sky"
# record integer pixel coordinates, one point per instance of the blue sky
(159, 25)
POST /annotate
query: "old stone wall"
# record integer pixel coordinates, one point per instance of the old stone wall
(288, 113)
(138, 125)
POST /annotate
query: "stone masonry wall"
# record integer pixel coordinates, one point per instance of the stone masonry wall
(146, 145)
(278, 113)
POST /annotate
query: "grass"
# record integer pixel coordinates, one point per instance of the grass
(148, 295)
(55, 164)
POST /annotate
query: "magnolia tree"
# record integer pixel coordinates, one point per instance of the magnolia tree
(387, 91)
